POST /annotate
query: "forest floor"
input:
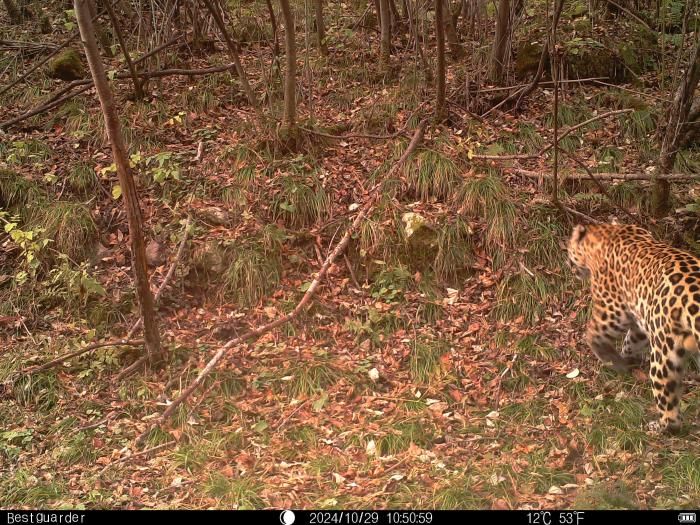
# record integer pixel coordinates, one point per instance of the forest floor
(451, 375)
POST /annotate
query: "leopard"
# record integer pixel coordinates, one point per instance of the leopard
(648, 292)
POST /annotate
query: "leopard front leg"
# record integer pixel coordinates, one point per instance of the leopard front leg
(636, 344)
(605, 327)
(666, 374)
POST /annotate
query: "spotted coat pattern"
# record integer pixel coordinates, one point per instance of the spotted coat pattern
(648, 292)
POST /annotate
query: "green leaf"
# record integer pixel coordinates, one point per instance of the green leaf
(116, 191)
(260, 426)
(320, 402)
(304, 287)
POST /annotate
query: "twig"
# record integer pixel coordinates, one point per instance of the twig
(543, 83)
(305, 300)
(402, 131)
(599, 185)
(636, 17)
(677, 177)
(580, 215)
(640, 93)
(138, 454)
(550, 146)
(76, 353)
(96, 424)
(352, 272)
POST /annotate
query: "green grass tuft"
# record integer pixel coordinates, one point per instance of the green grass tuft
(429, 174)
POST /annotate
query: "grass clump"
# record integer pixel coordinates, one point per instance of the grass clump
(430, 173)
(425, 360)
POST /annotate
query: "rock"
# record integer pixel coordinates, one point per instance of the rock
(66, 66)
(422, 241)
(527, 60)
(215, 216)
(155, 254)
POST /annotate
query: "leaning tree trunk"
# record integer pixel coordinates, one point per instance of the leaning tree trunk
(501, 41)
(678, 116)
(385, 24)
(133, 212)
(320, 28)
(440, 110)
(233, 51)
(290, 102)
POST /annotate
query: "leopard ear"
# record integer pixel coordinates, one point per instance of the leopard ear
(579, 232)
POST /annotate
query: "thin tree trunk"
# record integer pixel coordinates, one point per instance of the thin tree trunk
(456, 50)
(138, 87)
(290, 102)
(440, 112)
(678, 116)
(101, 34)
(131, 202)
(320, 28)
(233, 51)
(275, 33)
(385, 24)
(500, 44)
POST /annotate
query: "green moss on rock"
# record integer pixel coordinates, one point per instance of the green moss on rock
(67, 66)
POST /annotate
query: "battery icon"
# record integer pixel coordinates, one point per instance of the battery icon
(686, 517)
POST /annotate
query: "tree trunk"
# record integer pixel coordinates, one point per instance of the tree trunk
(138, 87)
(131, 202)
(290, 102)
(678, 116)
(102, 36)
(320, 28)
(233, 51)
(12, 11)
(440, 112)
(456, 50)
(273, 22)
(500, 44)
(385, 24)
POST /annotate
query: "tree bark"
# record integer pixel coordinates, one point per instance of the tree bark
(233, 51)
(138, 86)
(440, 112)
(456, 50)
(275, 34)
(501, 41)
(290, 102)
(678, 116)
(102, 36)
(131, 202)
(385, 24)
(320, 28)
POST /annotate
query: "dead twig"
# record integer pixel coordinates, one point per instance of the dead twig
(305, 300)
(545, 149)
(138, 455)
(76, 353)
(677, 177)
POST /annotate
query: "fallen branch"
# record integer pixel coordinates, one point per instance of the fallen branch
(305, 300)
(599, 185)
(676, 177)
(76, 353)
(137, 455)
(544, 150)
